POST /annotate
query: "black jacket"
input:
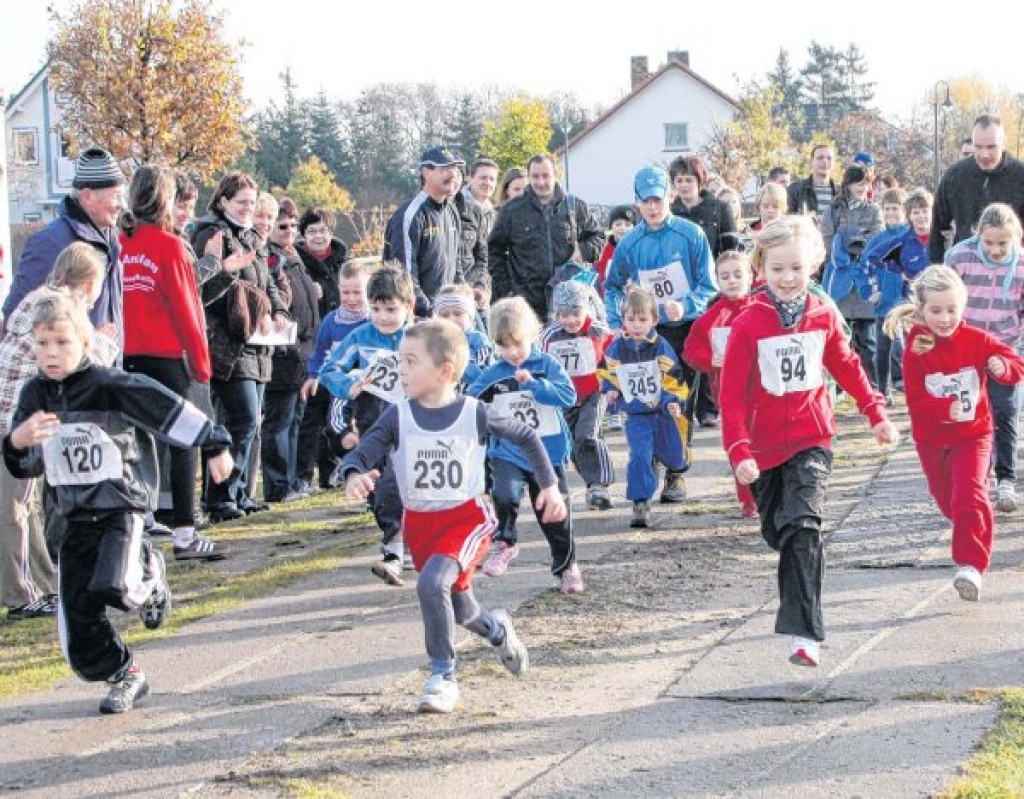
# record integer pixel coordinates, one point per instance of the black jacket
(715, 218)
(802, 199)
(425, 237)
(289, 363)
(473, 244)
(326, 274)
(530, 241)
(231, 358)
(964, 191)
(96, 404)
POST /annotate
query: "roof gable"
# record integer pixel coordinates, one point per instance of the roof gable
(672, 64)
(26, 91)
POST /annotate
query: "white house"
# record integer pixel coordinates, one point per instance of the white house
(667, 114)
(39, 171)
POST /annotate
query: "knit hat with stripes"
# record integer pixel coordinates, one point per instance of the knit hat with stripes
(97, 169)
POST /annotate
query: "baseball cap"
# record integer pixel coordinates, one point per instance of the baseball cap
(651, 181)
(439, 155)
(864, 159)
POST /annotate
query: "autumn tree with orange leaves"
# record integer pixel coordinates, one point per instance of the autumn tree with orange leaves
(150, 80)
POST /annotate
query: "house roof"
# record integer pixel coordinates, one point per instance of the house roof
(671, 64)
(27, 88)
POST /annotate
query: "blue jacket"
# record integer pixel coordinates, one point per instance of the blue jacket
(644, 250)
(550, 385)
(41, 253)
(481, 355)
(672, 385)
(891, 259)
(346, 363)
(331, 332)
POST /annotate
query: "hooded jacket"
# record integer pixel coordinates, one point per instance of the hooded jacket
(774, 398)
(846, 230)
(890, 260)
(703, 342)
(71, 225)
(530, 240)
(995, 292)
(713, 217)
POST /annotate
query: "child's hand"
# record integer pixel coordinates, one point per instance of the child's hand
(35, 430)
(956, 409)
(717, 361)
(350, 440)
(358, 386)
(309, 388)
(875, 297)
(550, 502)
(239, 259)
(996, 366)
(612, 395)
(359, 486)
(220, 466)
(523, 375)
(265, 324)
(747, 472)
(886, 433)
(673, 310)
(280, 321)
(674, 410)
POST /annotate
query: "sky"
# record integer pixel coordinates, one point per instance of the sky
(543, 47)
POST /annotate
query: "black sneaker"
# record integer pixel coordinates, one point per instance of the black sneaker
(46, 606)
(641, 514)
(157, 608)
(126, 688)
(248, 506)
(201, 548)
(227, 513)
(675, 488)
(389, 569)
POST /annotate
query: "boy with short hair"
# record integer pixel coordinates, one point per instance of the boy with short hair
(363, 370)
(436, 441)
(84, 427)
(577, 338)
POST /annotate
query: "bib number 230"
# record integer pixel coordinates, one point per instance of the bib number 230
(437, 475)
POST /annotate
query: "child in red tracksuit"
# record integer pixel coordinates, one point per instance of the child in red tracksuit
(704, 349)
(577, 339)
(777, 419)
(945, 366)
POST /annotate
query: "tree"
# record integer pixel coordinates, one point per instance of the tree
(521, 131)
(150, 80)
(568, 117)
(466, 127)
(325, 137)
(382, 157)
(859, 92)
(788, 88)
(283, 134)
(313, 185)
(822, 81)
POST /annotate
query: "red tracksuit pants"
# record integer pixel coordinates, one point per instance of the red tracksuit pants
(957, 478)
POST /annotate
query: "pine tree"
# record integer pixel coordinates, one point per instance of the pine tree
(823, 86)
(466, 127)
(283, 135)
(325, 137)
(787, 87)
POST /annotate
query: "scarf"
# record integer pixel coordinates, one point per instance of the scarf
(790, 311)
(235, 222)
(1011, 261)
(347, 317)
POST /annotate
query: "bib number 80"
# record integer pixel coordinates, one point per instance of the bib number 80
(663, 289)
(437, 475)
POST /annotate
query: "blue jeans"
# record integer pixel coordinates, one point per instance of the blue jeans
(1005, 403)
(282, 414)
(241, 401)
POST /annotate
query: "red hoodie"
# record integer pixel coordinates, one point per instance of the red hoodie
(702, 341)
(774, 398)
(163, 316)
(954, 371)
(578, 353)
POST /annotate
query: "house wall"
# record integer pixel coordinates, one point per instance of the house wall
(602, 165)
(7, 260)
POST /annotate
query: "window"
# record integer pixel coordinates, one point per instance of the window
(25, 147)
(676, 137)
(34, 217)
(65, 143)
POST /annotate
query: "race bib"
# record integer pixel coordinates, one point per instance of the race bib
(965, 385)
(665, 283)
(640, 381)
(382, 377)
(522, 406)
(719, 338)
(438, 465)
(81, 454)
(576, 355)
(791, 363)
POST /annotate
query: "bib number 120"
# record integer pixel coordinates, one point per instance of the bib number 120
(83, 459)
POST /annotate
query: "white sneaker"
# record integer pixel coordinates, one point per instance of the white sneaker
(968, 583)
(1006, 496)
(804, 652)
(499, 559)
(440, 695)
(407, 562)
(514, 655)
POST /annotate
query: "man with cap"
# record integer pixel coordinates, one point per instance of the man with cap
(424, 234)
(669, 258)
(88, 214)
(536, 233)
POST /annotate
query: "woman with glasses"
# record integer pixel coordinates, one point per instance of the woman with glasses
(323, 255)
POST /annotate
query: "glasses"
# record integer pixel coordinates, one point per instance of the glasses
(287, 226)
(317, 231)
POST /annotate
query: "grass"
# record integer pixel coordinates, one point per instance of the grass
(997, 770)
(293, 546)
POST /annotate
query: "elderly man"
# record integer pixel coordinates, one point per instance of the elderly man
(536, 233)
(424, 234)
(991, 176)
(89, 214)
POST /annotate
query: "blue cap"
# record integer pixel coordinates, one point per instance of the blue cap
(651, 181)
(439, 155)
(864, 159)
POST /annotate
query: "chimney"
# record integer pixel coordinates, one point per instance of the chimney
(637, 70)
(682, 56)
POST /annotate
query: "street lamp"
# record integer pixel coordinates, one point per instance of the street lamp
(946, 104)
